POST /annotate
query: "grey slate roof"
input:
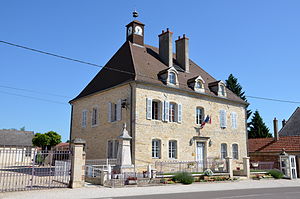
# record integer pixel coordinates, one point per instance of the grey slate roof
(144, 64)
(16, 138)
(292, 126)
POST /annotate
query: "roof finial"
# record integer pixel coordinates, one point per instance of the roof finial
(135, 14)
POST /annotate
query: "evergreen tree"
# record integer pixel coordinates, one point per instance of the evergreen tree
(233, 85)
(258, 128)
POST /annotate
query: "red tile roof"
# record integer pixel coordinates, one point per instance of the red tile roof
(289, 143)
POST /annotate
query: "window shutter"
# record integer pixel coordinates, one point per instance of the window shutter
(223, 118)
(149, 109)
(163, 118)
(179, 114)
(119, 110)
(234, 120)
(109, 112)
(167, 106)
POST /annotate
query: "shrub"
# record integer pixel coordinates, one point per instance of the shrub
(208, 172)
(276, 174)
(184, 178)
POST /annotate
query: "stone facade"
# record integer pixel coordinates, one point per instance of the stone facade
(144, 130)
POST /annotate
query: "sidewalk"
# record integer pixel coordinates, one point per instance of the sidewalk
(101, 192)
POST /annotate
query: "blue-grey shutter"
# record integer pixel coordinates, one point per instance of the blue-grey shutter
(234, 120)
(167, 107)
(222, 118)
(109, 112)
(179, 114)
(149, 109)
(119, 110)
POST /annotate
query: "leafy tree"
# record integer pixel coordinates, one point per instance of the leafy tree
(22, 128)
(258, 128)
(46, 140)
(233, 85)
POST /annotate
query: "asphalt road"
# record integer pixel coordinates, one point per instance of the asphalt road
(266, 193)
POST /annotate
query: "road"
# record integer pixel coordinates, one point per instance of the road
(266, 193)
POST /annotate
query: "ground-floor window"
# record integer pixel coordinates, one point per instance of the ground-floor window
(235, 151)
(112, 149)
(223, 151)
(173, 149)
(156, 148)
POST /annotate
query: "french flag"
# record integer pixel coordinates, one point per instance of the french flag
(207, 120)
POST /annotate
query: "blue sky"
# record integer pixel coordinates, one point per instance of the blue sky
(258, 41)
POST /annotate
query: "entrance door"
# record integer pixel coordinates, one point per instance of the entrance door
(293, 167)
(200, 154)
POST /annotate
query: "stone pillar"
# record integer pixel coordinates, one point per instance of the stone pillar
(78, 163)
(124, 153)
(246, 166)
(298, 165)
(149, 171)
(229, 166)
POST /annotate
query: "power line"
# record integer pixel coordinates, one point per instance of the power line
(276, 100)
(33, 91)
(122, 71)
(36, 98)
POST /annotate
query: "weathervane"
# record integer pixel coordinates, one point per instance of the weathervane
(135, 14)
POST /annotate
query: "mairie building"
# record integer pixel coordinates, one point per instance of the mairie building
(172, 108)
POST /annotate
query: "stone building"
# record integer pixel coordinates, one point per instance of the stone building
(174, 110)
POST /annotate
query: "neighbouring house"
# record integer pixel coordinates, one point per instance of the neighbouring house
(174, 110)
(15, 146)
(266, 151)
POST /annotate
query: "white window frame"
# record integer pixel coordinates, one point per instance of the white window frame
(199, 118)
(171, 116)
(224, 151)
(95, 117)
(234, 120)
(156, 148)
(158, 110)
(235, 151)
(173, 149)
(84, 118)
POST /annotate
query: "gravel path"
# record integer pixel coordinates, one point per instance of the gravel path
(90, 192)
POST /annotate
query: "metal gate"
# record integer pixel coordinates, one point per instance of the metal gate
(27, 169)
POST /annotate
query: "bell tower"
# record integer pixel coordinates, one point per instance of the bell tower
(135, 31)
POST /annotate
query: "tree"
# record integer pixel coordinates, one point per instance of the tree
(22, 128)
(46, 140)
(258, 128)
(233, 85)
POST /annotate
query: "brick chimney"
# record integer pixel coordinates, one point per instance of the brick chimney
(182, 53)
(275, 122)
(166, 47)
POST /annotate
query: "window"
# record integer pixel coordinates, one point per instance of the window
(155, 148)
(155, 110)
(223, 151)
(199, 85)
(235, 151)
(173, 149)
(28, 151)
(112, 148)
(172, 112)
(222, 90)
(84, 118)
(233, 120)
(94, 116)
(199, 115)
(172, 78)
(223, 122)
(114, 111)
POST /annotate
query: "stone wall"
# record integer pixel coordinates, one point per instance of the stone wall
(146, 130)
(96, 136)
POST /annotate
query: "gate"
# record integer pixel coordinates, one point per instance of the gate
(27, 169)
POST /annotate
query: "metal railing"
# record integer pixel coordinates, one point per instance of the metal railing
(23, 170)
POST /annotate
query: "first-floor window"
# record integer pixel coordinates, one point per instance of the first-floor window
(223, 151)
(84, 118)
(155, 148)
(235, 151)
(172, 112)
(199, 115)
(173, 149)
(112, 148)
(94, 116)
(155, 110)
(113, 112)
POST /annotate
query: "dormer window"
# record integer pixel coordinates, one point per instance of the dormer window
(172, 78)
(197, 84)
(218, 88)
(169, 76)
